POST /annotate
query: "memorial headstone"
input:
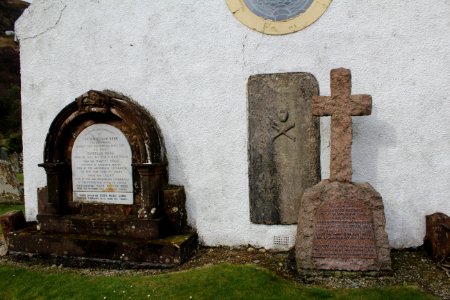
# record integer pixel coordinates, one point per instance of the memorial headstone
(4, 154)
(15, 162)
(437, 237)
(10, 191)
(341, 224)
(107, 193)
(284, 145)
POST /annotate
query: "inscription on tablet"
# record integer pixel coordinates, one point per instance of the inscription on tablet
(101, 166)
(344, 229)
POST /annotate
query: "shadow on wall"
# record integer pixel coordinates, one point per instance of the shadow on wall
(176, 165)
(370, 134)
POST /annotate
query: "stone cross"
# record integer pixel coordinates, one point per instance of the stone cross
(341, 106)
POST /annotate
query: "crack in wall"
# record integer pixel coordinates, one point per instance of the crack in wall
(47, 29)
(244, 63)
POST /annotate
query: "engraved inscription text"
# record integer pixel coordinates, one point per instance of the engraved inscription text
(101, 166)
(344, 229)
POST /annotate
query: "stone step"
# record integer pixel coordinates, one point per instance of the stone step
(83, 251)
(120, 226)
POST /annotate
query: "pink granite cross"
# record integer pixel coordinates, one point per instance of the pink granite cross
(341, 106)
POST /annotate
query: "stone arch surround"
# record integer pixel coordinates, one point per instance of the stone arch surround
(143, 135)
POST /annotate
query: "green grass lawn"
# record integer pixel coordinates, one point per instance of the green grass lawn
(212, 282)
(8, 207)
(20, 177)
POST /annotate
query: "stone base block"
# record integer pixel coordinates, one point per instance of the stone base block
(83, 251)
(174, 205)
(341, 227)
(120, 226)
(437, 238)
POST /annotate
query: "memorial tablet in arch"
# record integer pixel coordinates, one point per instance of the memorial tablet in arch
(101, 166)
(107, 195)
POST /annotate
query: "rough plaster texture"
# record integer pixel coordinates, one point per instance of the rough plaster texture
(188, 63)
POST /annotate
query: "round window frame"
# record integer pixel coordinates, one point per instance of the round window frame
(266, 26)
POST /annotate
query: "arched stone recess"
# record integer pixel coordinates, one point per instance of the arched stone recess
(61, 210)
(107, 201)
(111, 108)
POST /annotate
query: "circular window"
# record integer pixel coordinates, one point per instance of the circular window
(277, 16)
(278, 10)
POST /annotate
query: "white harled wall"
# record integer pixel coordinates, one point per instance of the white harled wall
(188, 62)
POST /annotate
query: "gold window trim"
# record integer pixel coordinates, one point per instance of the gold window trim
(255, 22)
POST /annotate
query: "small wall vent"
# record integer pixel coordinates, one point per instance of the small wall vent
(281, 242)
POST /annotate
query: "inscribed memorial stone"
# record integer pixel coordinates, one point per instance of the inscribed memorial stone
(9, 185)
(283, 144)
(341, 223)
(344, 229)
(107, 195)
(101, 166)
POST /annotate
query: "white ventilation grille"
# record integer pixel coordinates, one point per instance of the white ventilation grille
(281, 242)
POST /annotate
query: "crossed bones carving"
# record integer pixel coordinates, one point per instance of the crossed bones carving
(282, 128)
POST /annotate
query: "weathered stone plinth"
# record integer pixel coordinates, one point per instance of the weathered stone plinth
(107, 251)
(341, 227)
(118, 226)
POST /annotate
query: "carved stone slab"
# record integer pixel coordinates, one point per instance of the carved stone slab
(283, 145)
(341, 227)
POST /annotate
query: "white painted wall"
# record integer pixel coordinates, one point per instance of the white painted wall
(188, 62)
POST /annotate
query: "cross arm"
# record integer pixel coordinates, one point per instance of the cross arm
(356, 105)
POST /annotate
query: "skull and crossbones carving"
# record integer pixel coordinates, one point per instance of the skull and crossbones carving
(282, 127)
